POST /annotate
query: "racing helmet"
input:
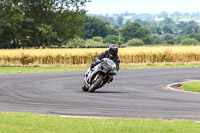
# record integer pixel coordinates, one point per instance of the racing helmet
(113, 49)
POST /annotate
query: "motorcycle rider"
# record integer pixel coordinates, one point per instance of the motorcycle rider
(111, 53)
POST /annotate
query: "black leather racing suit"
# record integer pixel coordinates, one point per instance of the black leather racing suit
(105, 54)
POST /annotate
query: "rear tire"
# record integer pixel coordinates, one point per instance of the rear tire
(96, 84)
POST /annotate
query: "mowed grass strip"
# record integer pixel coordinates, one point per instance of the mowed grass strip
(191, 86)
(34, 123)
(40, 69)
(20, 69)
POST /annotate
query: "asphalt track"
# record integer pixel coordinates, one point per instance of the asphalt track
(134, 93)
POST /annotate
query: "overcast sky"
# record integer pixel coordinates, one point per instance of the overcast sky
(142, 6)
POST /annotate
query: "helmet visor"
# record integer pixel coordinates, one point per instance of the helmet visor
(113, 52)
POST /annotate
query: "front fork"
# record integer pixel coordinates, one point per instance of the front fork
(103, 81)
(106, 78)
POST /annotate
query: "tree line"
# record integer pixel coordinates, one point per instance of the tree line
(47, 23)
(165, 31)
(33, 23)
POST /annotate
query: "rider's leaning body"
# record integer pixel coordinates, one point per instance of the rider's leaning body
(111, 53)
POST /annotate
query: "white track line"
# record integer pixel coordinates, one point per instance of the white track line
(169, 86)
(72, 116)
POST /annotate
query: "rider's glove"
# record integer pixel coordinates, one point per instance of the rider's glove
(97, 60)
(93, 64)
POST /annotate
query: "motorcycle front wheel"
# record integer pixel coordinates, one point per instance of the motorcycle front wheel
(84, 88)
(96, 84)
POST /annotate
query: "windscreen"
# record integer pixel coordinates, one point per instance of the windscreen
(110, 62)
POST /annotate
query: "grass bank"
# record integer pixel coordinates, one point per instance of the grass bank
(32, 123)
(20, 69)
(191, 86)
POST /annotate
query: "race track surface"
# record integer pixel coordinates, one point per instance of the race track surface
(134, 93)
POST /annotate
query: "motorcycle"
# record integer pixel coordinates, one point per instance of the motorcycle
(99, 75)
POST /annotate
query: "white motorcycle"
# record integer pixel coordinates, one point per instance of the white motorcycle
(100, 75)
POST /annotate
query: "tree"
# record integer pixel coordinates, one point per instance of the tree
(193, 23)
(176, 14)
(34, 23)
(158, 30)
(168, 22)
(195, 36)
(127, 22)
(163, 14)
(166, 37)
(190, 29)
(11, 18)
(166, 29)
(181, 24)
(134, 30)
(120, 21)
(108, 19)
(96, 27)
(46, 34)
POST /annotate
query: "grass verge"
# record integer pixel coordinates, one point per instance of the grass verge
(39, 69)
(32, 123)
(21, 69)
(191, 86)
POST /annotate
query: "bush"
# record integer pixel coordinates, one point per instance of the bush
(76, 42)
(119, 43)
(156, 39)
(166, 37)
(135, 42)
(196, 36)
(170, 42)
(92, 43)
(189, 41)
(112, 39)
(97, 39)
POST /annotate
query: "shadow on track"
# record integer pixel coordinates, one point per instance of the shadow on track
(108, 92)
(96, 92)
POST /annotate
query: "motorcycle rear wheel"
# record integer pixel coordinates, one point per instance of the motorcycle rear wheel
(96, 84)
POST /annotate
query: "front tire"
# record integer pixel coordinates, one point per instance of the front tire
(96, 84)
(84, 88)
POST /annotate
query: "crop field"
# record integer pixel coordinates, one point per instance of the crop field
(131, 55)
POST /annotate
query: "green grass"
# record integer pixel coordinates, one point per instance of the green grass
(158, 66)
(39, 69)
(33, 123)
(191, 86)
(13, 69)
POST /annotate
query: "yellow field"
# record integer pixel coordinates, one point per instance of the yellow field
(134, 55)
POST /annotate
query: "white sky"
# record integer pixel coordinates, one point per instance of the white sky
(142, 6)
